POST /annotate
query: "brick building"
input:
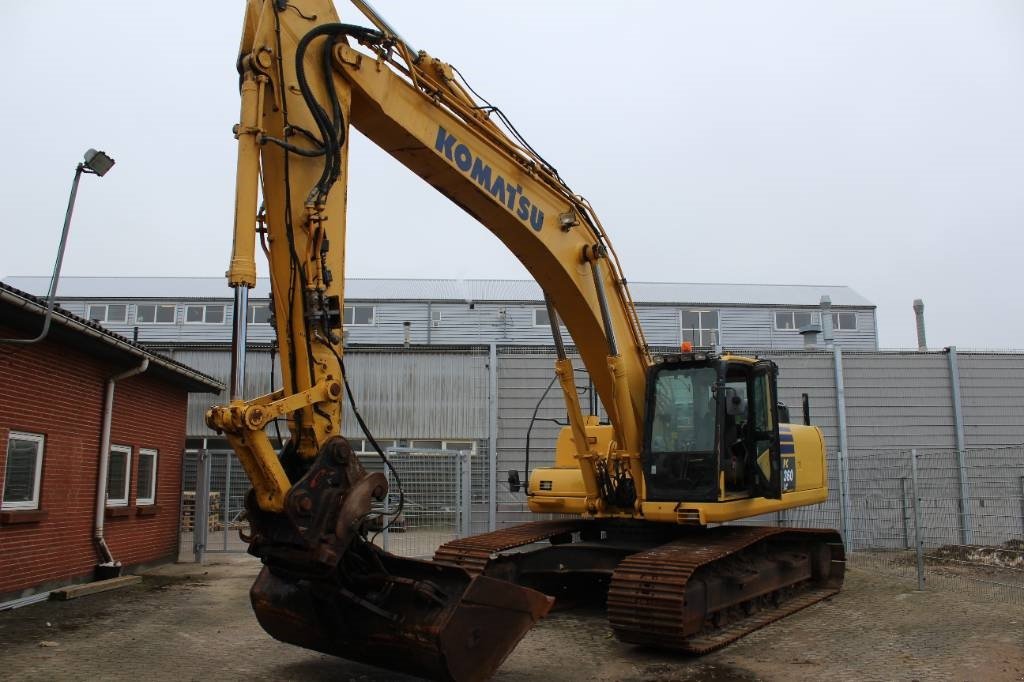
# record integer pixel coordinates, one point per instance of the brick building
(53, 397)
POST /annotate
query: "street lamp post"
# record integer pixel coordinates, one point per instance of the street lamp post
(95, 163)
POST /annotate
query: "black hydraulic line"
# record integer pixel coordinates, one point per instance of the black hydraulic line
(373, 441)
(529, 430)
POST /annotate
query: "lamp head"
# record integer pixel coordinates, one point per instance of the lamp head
(98, 162)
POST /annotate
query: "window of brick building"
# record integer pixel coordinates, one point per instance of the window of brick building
(146, 485)
(117, 475)
(22, 471)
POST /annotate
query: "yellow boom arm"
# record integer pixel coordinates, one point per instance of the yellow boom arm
(413, 107)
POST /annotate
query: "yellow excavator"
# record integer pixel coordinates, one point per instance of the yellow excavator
(691, 440)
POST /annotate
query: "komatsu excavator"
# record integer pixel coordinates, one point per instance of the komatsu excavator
(692, 440)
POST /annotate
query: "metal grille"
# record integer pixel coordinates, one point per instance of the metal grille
(438, 506)
(437, 487)
(940, 518)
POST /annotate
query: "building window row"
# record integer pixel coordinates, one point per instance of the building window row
(698, 326)
(24, 468)
(793, 320)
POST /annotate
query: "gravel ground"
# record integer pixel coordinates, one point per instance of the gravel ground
(190, 623)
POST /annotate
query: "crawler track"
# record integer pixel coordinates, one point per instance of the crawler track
(695, 593)
(699, 593)
(473, 553)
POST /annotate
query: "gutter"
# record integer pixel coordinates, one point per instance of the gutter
(112, 340)
(106, 557)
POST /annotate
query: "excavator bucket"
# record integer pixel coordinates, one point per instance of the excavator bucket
(325, 587)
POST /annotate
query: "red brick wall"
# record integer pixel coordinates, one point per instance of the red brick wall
(58, 391)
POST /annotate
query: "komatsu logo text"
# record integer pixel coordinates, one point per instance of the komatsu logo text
(511, 195)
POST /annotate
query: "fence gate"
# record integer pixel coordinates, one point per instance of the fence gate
(436, 508)
(214, 526)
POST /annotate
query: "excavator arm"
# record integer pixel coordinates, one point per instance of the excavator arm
(305, 80)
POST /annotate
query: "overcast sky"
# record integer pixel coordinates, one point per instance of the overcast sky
(878, 145)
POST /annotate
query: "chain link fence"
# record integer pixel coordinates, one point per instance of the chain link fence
(938, 518)
(437, 506)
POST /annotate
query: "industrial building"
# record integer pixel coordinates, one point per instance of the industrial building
(197, 310)
(58, 406)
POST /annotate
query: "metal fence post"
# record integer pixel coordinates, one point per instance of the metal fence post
(966, 532)
(1022, 505)
(466, 496)
(226, 502)
(844, 501)
(492, 438)
(918, 530)
(384, 520)
(844, 480)
(201, 510)
(903, 514)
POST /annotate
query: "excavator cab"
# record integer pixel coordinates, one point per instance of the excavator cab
(712, 429)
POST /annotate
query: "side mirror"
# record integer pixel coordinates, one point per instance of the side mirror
(514, 485)
(783, 413)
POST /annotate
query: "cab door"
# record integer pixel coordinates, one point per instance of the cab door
(764, 420)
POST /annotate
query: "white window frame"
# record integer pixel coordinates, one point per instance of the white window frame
(118, 501)
(353, 323)
(156, 307)
(815, 319)
(435, 318)
(150, 497)
(106, 312)
(40, 441)
(206, 309)
(546, 322)
(835, 321)
(702, 330)
(251, 314)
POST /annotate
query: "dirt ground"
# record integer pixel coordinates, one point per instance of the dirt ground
(186, 622)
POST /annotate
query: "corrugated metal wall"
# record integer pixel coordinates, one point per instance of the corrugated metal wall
(894, 402)
(993, 398)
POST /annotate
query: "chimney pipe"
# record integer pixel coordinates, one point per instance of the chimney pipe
(826, 320)
(922, 343)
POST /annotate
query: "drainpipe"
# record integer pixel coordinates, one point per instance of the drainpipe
(107, 559)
